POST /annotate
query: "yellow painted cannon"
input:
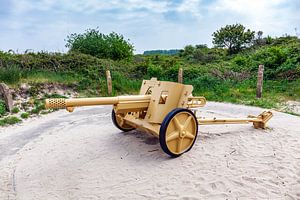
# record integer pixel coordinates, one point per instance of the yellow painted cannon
(164, 109)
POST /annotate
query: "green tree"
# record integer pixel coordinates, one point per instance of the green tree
(234, 37)
(97, 44)
(188, 51)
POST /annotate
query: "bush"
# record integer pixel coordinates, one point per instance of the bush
(15, 110)
(2, 108)
(202, 54)
(43, 61)
(24, 115)
(97, 44)
(35, 111)
(206, 83)
(10, 75)
(191, 73)
(171, 73)
(154, 71)
(9, 121)
(39, 106)
(277, 60)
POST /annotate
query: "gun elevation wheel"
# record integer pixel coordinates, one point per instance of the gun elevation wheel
(118, 121)
(178, 132)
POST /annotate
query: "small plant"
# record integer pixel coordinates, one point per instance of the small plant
(15, 110)
(34, 90)
(35, 111)
(24, 115)
(2, 108)
(9, 121)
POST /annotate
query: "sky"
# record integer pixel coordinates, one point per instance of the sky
(149, 24)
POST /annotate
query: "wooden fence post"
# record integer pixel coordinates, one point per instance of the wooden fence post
(109, 83)
(180, 75)
(260, 78)
(7, 96)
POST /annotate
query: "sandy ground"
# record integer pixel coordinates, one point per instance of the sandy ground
(83, 156)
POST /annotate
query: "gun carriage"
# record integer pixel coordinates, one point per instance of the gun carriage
(163, 109)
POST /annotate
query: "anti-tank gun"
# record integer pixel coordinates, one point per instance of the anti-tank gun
(163, 109)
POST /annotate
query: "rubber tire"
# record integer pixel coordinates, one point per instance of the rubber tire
(114, 120)
(163, 129)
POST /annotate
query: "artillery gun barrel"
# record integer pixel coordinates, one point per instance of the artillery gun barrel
(70, 103)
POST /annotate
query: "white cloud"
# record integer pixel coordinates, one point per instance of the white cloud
(150, 24)
(91, 6)
(272, 17)
(190, 6)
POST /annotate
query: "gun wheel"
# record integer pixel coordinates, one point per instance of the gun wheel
(118, 121)
(178, 132)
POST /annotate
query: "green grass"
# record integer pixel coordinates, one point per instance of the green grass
(44, 112)
(274, 92)
(214, 89)
(10, 75)
(14, 76)
(120, 85)
(49, 77)
(292, 113)
(124, 85)
(9, 121)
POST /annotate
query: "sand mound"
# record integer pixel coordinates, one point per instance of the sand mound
(83, 156)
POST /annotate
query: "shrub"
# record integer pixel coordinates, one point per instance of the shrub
(2, 108)
(15, 110)
(24, 115)
(97, 44)
(35, 111)
(9, 121)
(202, 54)
(171, 74)
(10, 75)
(154, 71)
(39, 106)
(277, 60)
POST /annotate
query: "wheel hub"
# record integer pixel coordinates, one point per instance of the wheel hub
(182, 134)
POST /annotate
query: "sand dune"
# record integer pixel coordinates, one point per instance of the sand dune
(83, 156)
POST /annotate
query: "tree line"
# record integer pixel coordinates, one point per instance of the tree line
(233, 38)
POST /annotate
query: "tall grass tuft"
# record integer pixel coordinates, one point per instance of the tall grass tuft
(10, 75)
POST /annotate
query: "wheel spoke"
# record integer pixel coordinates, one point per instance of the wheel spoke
(177, 123)
(179, 145)
(174, 135)
(187, 122)
(189, 135)
(119, 119)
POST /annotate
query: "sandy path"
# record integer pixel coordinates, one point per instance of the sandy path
(83, 156)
